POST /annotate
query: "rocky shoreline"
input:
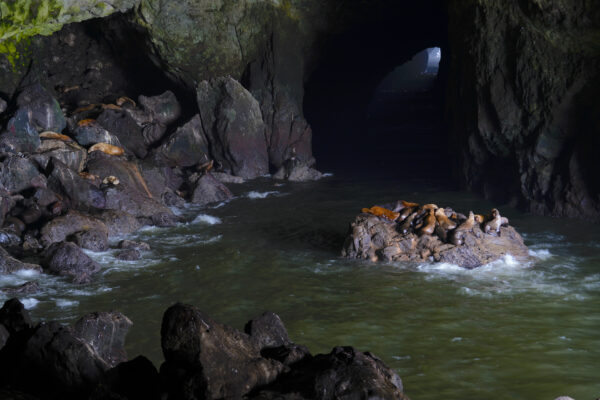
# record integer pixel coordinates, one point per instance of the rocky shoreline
(203, 360)
(72, 178)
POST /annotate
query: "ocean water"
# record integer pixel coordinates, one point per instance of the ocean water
(517, 330)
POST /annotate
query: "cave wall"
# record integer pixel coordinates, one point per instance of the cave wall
(523, 101)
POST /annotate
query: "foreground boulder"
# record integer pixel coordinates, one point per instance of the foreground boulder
(8, 264)
(427, 233)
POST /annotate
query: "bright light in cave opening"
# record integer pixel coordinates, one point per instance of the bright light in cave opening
(434, 56)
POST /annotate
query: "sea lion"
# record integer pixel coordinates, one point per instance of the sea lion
(124, 99)
(381, 212)
(443, 220)
(430, 222)
(107, 148)
(110, 107)
(55, 135)
(480, 219)
(456, 236)
(112, 180)
(89, 107)
(406, 212)
(407, 204)
(504, 221)
(88, 176)
(405, 226)
(428, 207)
(206, 167)
(86, 122)
(494, 223)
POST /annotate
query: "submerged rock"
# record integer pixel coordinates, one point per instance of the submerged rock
(9, 265)
(417, 235)
(67, 259)
(209, 190)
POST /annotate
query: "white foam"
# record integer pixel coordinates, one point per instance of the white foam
(63, 303)
(327, 174)
(30, 303)
(149, 228)
(206, 219)
(542, 254)
(260, 195)
(26, 273)
(457, 339)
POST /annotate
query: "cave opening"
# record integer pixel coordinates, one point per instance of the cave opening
(376, 100)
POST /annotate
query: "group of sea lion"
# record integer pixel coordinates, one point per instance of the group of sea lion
(429, 219)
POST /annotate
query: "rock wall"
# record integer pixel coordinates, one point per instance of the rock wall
(523, 102)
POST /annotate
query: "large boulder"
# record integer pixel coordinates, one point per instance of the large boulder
(91, 133)
(205, 359)
(163, 109)
(69, 153)
(119, 222)
(18, 173)
(67, 259)
(80, 193)
(233, 124)
(20, 134)
(209, 190)
(45, 112)
(120, 124)
(14, 317)
(9, 264)
(60, 228)
(187, 146)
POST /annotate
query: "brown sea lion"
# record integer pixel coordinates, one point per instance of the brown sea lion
(110, 107)
(89, 107)
(112, 180)
(124, 99)
(407, 204)
(87, 175)
(456, 236)
(504, 221)
(429, 226)
(480, 219)
(86, 122)
(406, 212)
(405, 226)
(443, 220)
(107, 148)
(55, 135)
(381, 212)
(494, 224)
(430, 206)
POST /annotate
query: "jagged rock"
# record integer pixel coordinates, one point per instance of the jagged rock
(92, 133)
(163, 182)
(130, 244)
(14, 317)
(124, 127)
(9, 265)
(233, 124)
(44, 197)
(20, 134)
(204, 359)
(18, 173)
(82, 194)
(92, 239)
(129, 255)
(296, 170)
(105, 332)
(119, 222)
(267, 331)
(152, 133)
(67, 259)
(60, 228)
(163, 108)
(209, 190)
(372, 237)
(26, 288)
(46, 114)
(71, 154)
(186, 147)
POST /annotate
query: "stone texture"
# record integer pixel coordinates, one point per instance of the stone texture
(8, 264)
(69, 153)
(20, 134)
(209, 190)
(18, 173)
(187, 146)
(67, 259)
(44, 111)
(80, 193)
(120, 124)
(60, 228)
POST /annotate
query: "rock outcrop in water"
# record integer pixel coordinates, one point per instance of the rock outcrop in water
(203, 360)
(427, 233)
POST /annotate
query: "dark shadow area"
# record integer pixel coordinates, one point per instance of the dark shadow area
(372, 116)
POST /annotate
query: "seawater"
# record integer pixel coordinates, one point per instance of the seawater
(506, 330)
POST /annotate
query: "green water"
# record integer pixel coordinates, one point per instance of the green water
(504, 331)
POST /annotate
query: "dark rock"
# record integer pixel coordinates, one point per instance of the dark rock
(204, 359)
(92, 239)
(224, 177)
(163, 183)
(163, 109)
(267, 331)
(130, 244)
(152, 133)
(137, 379)
(14, 225)
(46, 114)
(44, 197)
(26, 288)
(124, 127)
(3, 105)
(209, 190)
(119, 222)
(20, 134)
(30, 243)
(233, 124)
(129, 255)
(105, 332)
(60, 228)
(31, 214)
(67, 259)
(82, 194)
(70, 153)
(4, 334)
(14, 317)
(92, 133)
(187, 146)
(18, 174)
(296, 170)
(9, 265)
(8, 235)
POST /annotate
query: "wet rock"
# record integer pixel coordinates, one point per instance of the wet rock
(92, 133)
(3, 105)
(209, 190)
(152, 133)
(20, 134)
(44, 197)
(92, 239)
(233, 124)
(204, 359)
(8, 235)
(82, 194)
(137, 379)
(163, 183)
(67, 259)
(24, 289)
(4, 334)
(105, 332)
(296, 170)
(187, 146)
(129, 255)
(9, 265)
(224, 177)
(124, 127)
(267, 331)
(18, 174)
(60, 228)
(69, 153)
(119, 222)
(163, 108)
(45, 111)
(14, 317)
(130, 244)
